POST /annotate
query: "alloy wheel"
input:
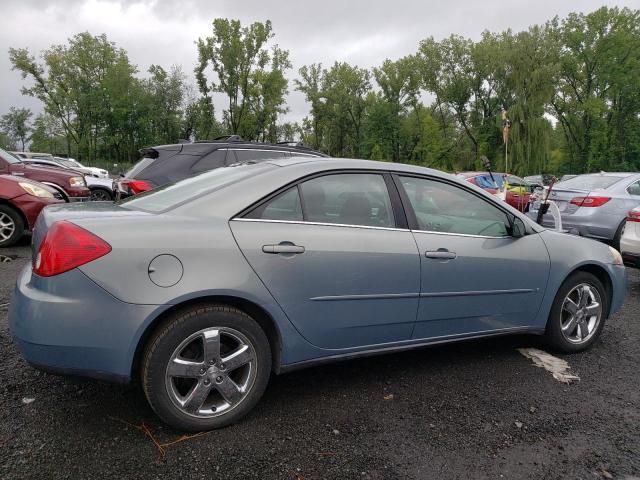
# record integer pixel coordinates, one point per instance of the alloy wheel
(7, 227)
(581, 313)
(211, 372)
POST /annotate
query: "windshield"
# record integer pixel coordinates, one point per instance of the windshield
(172, 195)
(590, 182)
(9, 157)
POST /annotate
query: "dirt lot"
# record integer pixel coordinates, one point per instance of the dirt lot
(471, 410)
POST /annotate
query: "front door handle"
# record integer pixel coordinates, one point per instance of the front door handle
(283, 248)
(441, 254)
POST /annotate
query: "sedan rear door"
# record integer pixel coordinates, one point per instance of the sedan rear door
(335, 253)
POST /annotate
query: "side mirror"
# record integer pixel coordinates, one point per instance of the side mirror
(518, 228)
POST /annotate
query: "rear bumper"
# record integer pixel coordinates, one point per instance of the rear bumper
(68, 324)
(583, 226)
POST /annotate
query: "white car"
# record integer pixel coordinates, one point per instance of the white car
(94, 171)
(630, 240)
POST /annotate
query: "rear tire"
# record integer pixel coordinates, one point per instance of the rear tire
(206, 367)
(11, 226)
(578, 313)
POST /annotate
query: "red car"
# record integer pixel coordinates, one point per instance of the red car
(71, 185)
(21, 201)
(518, 189)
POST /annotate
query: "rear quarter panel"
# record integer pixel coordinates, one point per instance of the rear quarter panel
(212, 266)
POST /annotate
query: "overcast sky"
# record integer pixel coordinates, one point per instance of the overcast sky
(361, 32)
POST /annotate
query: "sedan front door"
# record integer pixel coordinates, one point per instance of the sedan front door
(334, 255)
(476, 278)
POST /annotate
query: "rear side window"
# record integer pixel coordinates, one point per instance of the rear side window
(286, 206)
(215, 159)
(343, 199)
(591, 182)
(257, 155)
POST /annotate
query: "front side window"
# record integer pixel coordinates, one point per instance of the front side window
(442, 207)
(345, 199)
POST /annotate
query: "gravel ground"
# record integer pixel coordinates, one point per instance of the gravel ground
(471, 410)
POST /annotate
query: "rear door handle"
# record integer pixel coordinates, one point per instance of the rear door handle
(441, 254)
(283, 248)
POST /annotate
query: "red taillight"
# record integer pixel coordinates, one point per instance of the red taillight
(67, 246)
(136, 186)
(633, 215)
(590, 201)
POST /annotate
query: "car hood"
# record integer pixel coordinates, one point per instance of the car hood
(52, 171)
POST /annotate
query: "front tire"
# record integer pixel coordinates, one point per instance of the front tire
(578, 313)
(11, 226)
(206, 367)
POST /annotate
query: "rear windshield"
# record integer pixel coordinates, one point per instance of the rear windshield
(138, 167)
(590, 182)
(170, 196)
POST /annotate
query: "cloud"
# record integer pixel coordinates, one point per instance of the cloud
(361, 32)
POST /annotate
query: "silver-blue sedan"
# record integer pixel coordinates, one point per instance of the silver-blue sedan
(595, 205)
(204, 288)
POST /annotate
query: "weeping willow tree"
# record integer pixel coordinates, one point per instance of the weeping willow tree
(530, 73)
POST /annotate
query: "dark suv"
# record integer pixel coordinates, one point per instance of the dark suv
(170, 163)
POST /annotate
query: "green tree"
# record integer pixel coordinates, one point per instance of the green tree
(236, 54)
(16, 125)
(399, 83)
(596, 100)
(75, 84)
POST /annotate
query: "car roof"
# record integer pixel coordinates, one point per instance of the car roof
(206, 146)
(608, 174)
(329, 163)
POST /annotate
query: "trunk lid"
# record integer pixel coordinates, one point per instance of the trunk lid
(563, 197)
(76, 211)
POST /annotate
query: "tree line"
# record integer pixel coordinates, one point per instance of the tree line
(569, 90)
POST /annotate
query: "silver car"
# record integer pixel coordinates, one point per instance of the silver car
(595, 205)
(204, 288)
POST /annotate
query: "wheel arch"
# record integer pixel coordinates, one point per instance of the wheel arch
(9, 204)
(59, 189)
(255, 311)
(100, 187)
